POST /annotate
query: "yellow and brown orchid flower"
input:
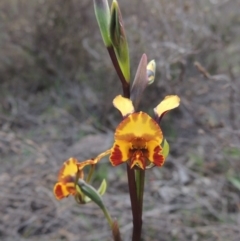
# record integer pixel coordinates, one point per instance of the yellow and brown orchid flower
(138, 137)
(71, 171)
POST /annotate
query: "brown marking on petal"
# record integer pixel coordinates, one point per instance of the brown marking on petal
(70, 187)
(154, 125)
(70, 161)
(116, 156)
(158, 158)
(148, 137)
(138, 143)
(68, 179)
(144, 117)
(59, 192)
(138, 159)
(126, 137)
(135, 116)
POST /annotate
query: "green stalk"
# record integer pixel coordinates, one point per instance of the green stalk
(91, 192)
(113, 225)
(107, 215)
(90, 173)
(140, 179)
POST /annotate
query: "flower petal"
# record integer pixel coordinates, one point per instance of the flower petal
(170, 102)
(138, 125)
(155, 153)
(124, 105)
(69, 168)
(138, 159)
(62, 190)
(119, 153)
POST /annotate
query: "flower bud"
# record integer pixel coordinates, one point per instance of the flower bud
(140, 81)
(102, 13)
(151, 68)
(119, 40)
(90, 192)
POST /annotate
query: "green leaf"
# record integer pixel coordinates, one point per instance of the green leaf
(103, 187)
(90, 192)
(165, 150)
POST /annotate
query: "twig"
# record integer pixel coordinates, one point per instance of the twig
(202, 70)
(232, 116)
(206, 74)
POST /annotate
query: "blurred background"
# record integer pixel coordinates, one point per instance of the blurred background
(56, 89)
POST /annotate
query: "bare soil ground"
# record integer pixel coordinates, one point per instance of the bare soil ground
(56, 89)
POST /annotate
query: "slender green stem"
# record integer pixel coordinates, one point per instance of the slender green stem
(113, 225)
(90, 173)
(107, 215)
(140, 179)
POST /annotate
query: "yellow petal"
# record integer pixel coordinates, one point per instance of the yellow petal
(69, 168)
(124, 105)
(170, 102)
(138, 125)
(119, 152)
